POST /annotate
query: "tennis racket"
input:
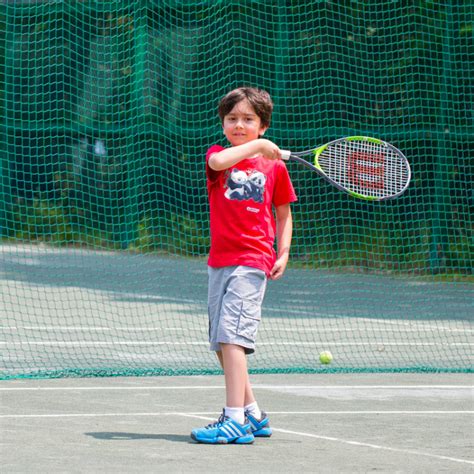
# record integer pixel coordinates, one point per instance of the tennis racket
(363, 167)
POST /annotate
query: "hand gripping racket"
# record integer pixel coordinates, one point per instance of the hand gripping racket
(363, 167)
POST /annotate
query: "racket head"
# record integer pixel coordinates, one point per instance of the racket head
(364, 167)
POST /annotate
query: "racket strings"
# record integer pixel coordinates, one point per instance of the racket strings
(366, 168)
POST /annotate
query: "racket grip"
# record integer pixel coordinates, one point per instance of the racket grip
(285, 154)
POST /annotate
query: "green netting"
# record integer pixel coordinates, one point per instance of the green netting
(107, 111)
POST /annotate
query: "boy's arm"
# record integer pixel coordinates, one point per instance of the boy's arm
(284, 227)
(233, 155)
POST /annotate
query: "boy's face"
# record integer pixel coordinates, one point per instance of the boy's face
(242, 124)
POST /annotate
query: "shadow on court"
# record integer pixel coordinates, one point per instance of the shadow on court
(136, 278)
(117, 436)
(322, 423)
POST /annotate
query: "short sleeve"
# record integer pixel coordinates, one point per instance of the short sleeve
(210, 173)
(284, 193)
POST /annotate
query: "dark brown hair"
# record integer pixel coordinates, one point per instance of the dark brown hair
(260, 101)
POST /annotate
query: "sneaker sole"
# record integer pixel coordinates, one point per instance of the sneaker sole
(242, 440)
(263, 433)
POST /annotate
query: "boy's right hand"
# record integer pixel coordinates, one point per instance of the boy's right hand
(268, 149)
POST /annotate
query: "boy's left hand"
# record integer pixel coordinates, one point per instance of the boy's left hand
(279, 267)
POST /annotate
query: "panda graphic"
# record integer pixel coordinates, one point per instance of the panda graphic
(237, 185)
(257, 186)
(244, 186)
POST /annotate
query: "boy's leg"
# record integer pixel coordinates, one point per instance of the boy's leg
(249, 396)
(259, 422)
(236, 324)
(235, 373)
(232, 427)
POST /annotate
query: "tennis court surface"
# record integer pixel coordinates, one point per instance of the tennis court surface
(398, 396)
(88, 312)
(322, 423)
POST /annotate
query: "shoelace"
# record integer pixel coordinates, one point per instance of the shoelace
(222, 419)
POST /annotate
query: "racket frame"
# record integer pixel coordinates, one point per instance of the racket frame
(298, 157)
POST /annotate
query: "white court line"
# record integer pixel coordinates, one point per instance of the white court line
(255, 386)
(407, 323)
(206, 343)
(376, 412)
(99, 329)
(200, 414)
(418, 329)
(340, 316)
(335, 412)
(356, 317)
(376, 446)
(356, 443)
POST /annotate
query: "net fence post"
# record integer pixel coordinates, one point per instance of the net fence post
(281, 61)
(132, 189)
(439, 224)
(5, 186)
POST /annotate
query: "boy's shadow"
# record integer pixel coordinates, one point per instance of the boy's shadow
(119, 436)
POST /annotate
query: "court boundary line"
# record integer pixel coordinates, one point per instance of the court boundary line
(401, 325)
(202, 413)
(206, 343)
(255, 386)
(187, 329)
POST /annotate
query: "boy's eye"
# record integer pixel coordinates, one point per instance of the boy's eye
(244, 119)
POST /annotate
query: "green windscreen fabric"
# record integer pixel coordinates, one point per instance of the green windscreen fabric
(107, 110)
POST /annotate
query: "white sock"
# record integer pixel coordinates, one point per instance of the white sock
(237, 414)
(253, 409)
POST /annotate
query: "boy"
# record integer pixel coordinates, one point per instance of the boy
(243, 182)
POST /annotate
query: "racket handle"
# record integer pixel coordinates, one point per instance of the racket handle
(285, 154)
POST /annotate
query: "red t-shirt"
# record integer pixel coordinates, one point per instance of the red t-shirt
(242, 222)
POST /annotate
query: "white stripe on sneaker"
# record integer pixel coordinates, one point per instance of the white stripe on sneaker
(229, 430)
(239, 428)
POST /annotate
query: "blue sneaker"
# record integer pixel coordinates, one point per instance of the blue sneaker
(224, 431)
(260, 428)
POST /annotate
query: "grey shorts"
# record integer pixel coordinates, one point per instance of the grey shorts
(234, 306)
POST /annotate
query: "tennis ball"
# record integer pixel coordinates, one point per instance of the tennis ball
(325, 357)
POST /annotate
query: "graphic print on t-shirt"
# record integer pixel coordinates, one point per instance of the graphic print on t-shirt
(245, 185)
